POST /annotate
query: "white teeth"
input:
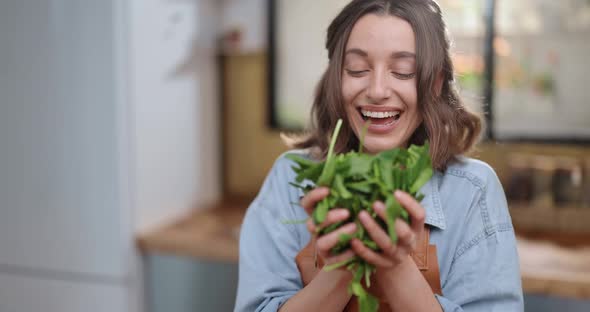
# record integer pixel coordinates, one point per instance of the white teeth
(371, 114)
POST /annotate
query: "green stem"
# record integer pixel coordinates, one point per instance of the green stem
(363, 134)
(334, 137)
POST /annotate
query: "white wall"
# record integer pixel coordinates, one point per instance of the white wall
(250, 16)
(173, 92)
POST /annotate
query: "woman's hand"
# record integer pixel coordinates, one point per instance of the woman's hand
(393, 254)
(326, 242)
(395, 263)
(322, 290)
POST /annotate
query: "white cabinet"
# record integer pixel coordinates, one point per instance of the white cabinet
(108, 118)
(180, 284)
(24, 294)
(60, 189)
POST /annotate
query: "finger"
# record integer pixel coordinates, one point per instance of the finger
(406, 237)
(378, 235)
(327, 241)
(309, 201)
(334, 216)
(369, 255)
(311, 226)
(379, 208)
(339, 258)
(415, 210)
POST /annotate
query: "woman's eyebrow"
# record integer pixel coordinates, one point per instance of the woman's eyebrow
(356, 51)
(403, 54)
(394, 55)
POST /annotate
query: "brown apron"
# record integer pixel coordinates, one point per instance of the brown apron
(424, 257)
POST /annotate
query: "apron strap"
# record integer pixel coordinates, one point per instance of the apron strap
(426, 259)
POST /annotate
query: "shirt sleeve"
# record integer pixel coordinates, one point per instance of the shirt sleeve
(268, 274)
(485, 274)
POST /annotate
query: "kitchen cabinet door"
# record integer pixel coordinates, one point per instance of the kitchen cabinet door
(24, 294)
(61, 205)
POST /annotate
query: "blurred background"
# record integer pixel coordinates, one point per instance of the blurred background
(134, 134)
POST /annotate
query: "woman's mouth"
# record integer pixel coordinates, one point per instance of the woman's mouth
(380, 118)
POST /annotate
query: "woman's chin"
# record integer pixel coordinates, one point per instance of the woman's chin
(377, 146)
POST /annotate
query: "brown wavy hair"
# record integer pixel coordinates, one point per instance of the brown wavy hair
(450, 127)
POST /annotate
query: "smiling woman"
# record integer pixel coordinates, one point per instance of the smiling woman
(378, 82)
(406, 69)
(389, 65)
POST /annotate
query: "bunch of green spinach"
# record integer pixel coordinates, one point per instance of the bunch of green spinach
(356, 180)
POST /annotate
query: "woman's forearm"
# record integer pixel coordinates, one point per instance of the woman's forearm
(328, 291)
(403, 296)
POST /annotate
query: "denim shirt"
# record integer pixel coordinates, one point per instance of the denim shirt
(470, 225)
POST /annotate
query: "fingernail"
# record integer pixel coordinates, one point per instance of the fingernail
(379, 205)
(398, 193)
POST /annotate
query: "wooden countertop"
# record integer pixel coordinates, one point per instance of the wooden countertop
(209, 234)
(212, 234)
(550, 269)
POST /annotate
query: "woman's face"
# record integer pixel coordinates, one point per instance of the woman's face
(379, 81)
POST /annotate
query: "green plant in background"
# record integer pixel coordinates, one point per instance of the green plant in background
(356, 180)
(290, 116)
(470, 80)
(543, 83)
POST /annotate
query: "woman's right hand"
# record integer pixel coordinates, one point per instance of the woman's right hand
(322, 290)
(326, 242)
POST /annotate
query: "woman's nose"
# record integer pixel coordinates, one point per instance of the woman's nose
(379, 87)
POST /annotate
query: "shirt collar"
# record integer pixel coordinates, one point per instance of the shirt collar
(431, 202)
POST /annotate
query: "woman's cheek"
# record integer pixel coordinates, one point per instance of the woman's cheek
(346, 89)
(408, 93)
(350, 88)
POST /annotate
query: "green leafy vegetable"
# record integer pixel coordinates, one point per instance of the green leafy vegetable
(356, 180)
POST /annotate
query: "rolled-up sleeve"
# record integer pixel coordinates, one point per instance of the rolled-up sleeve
(268, 274)
(485, 273)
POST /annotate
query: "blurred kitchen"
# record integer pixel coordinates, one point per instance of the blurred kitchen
(134, 134)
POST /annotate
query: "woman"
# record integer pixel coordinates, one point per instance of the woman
(390, 64)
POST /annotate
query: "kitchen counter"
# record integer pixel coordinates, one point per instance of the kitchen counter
(208, 234)
(212, 234)
(550, 269)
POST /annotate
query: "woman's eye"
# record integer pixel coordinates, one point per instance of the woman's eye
(404, 76)
(356, 73)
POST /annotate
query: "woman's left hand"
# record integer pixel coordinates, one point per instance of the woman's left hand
(393, 254)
